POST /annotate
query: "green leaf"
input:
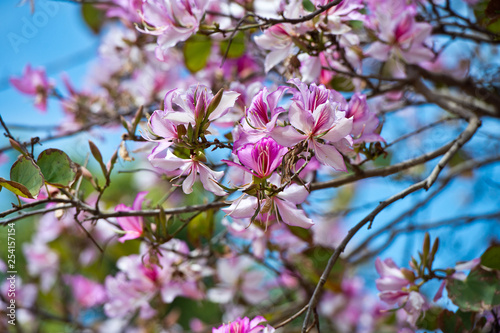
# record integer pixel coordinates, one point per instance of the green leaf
(301, 233)
(201, 226)
(480, 291)
(308, 5)
(491, 257)
(341, 83)
(312, 262)
(429, 320)
(93, 17)
(26, 178)
(196, 51)
(237, 47)
(457, 322)
(487, 14)
(57, 168)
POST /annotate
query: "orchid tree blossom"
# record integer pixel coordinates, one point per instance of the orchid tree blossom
(365, 122)
(317, 121)
(402, 38)
(162, 128)
(197, 106)
(281, 206)
(245, 325)
(87, 293)
(133, 226)
(191, 168)
(236, 276)
(279, 40)
(34, 82)
(142, 277)
(172, 21)
(398, 287)
(260, 159)
(261, 116)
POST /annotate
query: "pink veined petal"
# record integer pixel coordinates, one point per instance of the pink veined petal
(274, 97)
(227, 101)
(417, 54)
(301, 119)
(162, 127)
(137, 205)
(162, 145)
(342, 129)
(272, 122)
(130, 235)
(421, 31)
(209, 177)
(231, 163)
(287, 136)
(388, 268)
(275, 57)
(170, 162)
(167, 101)
(310, 67)
(391, 283)
(242, 208)
(294, 193)
(468, 265)
(439, 293)
(379, 51)
(187, 184)
(257, 320)
(329, 155)
(291, 215)
(180, 117)
(324, 118)
(392, 297)
(246, 157)
(170, 37)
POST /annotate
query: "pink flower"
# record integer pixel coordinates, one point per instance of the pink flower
(277, 39)
(391, 280)
(172, 21)
(315, 119)
(192, 106)
(86, 292)
(403, 38)
(283, 206)
(396, 288)
(191, 168)
(236, 277)
(34, 82)
(245, 325)
(42, 261)
(132, 225)
(365, 122)
(170, 274)
(260, 118)
(260, 159)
